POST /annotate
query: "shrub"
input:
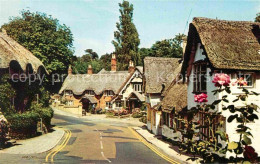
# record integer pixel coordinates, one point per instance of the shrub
(45, 113)
(3, 131)
(143, 119)
(23, 125)
(137, 115)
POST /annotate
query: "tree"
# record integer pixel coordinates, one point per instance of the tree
(257, 19)
(126, 40)
(164, 48)
(93, 55)
(45, 37)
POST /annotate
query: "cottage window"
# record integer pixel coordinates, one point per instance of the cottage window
(109, 93)
(248, 77)
(109, 105)
(89, 92)
(138, 87)
(179, 124)
(70, 103)
(199, 78)
(118, 104)
(206, 133)
(166, 118)
(68, 93)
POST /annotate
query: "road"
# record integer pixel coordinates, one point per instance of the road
(92, 141)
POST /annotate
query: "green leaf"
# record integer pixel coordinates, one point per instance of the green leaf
(247, 140)
(246, 162)
(235, 100)
(216, 102)
(232, 117)
(255, 93)
(232, 145)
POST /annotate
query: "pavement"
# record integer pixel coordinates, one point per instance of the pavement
(37, 144)
(163, 146)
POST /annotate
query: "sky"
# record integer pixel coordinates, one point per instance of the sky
(93, 22)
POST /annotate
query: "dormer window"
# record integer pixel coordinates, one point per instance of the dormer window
(108, 93)
(89, 92)
(68, 93)
(199, 77)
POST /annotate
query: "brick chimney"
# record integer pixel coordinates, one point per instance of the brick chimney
(90, 70)
(131, 67)
(69, 70)
(113, 63)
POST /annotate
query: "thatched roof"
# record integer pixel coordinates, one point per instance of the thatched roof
(228, 44)
(158, 73)
(96, 82)
(10, 51)
(175, 98)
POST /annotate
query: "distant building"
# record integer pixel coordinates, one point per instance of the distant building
(158, 75)
(96, 91)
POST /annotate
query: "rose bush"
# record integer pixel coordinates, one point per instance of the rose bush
(201, 98)
(221, 79)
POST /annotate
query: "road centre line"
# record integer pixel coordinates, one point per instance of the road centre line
(101, 145)
(105, 157)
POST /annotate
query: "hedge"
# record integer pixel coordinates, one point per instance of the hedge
(46, 114)
(23, 125)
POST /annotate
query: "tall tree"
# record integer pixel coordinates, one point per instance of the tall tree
(257, 18)
(45, 37)
(126, 40)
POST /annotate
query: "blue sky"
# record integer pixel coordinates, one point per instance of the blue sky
(92, 22)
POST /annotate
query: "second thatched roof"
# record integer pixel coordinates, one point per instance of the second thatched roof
(100, 82)
(159, 73)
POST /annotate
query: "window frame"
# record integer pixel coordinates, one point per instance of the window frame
(197, 77)
(137, 87)
(243, 75)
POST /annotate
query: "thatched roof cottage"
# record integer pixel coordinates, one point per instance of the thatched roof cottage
(158, 75)
(231, 47)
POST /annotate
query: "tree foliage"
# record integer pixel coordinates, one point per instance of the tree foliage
(126, 37)
(257, 18)
(45, 37)
(7, 93)
(164, 48)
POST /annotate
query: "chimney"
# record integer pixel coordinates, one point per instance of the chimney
(113, 63)
(90, 70)
(184, 43)
(131, 67)
(69, 70)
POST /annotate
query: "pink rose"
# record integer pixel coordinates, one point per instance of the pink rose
(221, 79)
(201, 98)
(241, 82)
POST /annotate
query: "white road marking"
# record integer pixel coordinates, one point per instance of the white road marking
(105, 157)
(101, 145)
(101, 137)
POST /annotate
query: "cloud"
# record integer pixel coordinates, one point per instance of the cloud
(98, 46)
